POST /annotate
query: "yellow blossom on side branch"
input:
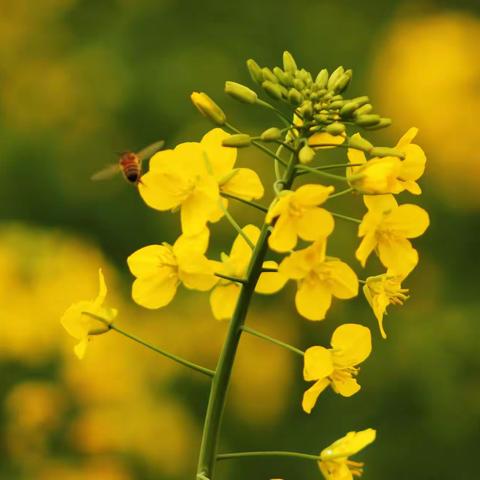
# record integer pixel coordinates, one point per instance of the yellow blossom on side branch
(386, 228)
(382, 291)
(319, 279)
(159, 269)
(80, 325)
(298, 215)
(335, 464)
(225, 294)
(337, 366)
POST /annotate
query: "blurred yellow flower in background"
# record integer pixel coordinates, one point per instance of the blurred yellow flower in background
(337, 366)
(84, 319)
(430, 64)
(319, 278)
(335, 464)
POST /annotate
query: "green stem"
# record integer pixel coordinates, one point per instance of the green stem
(232, 279)
(221, 379)
(345, 217)
(340, 193)
(246, 202)
(169, 355)
(279, 113)
(251, 331)
(303, 456)
(236, 226)
(320, 145)
(335, 165)
(304, 168)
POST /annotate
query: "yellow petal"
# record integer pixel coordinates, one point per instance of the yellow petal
(313, 299)
(190, 160)
(102, 288)
(318, 363)
(314, 224)
(408, 221)
(311, 395)
(245, 184)
(270, 282)
(152, 260)
(345, 386)
(296, 266)
(407, 137)
(196, 272)
(343, 281)
(284, 234)
(222, 159)
(413, 166)
(193, 243)
(321, 138)
(355, 157)
(280, 206)
(366, 247)
(241, 252)
(349, 445)
(81, 347)
(223, 300)
(352, 344)
(162, 161)
(154, 292)
(163, 191)
(397, 254)
(380, 203)
(312, 195)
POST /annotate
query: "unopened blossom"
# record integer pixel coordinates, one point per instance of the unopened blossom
(298, 214)
(388, 174)
(336, 366)
(335, 463)
(319, 278)
(160, 269)
(182, 178)
(386, 228)
(382, 291)
(224, 296)
(87, 318)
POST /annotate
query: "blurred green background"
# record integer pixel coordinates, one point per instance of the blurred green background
(80, 80)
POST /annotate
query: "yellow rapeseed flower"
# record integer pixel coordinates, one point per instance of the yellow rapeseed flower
(225, 294)
(298, 215)
(325, 140)
(80, 325)
(319, 279)
(159, 269)
(381, 291)
(337, 366)
(334, 463)
(386, 228)
(388, 174)
(182, 178)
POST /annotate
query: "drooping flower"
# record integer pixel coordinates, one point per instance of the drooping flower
(159, 270)
(85, 319)
(336, 366)
(225, 294)
(182, 178)
(388, 174)
(319, 279)
(382, 291)
(298, 215)
(335, 464)
(386, 228)
(240, 182)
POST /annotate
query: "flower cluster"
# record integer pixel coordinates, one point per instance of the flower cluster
(199, 179)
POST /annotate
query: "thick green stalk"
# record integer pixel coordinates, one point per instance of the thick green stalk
(221, 379)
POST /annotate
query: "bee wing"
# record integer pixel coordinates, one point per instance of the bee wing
(150, 150)
(107, 172)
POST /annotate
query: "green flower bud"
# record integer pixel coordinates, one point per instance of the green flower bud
(289, 64)
(239, 140)
(271, 134)
(342, 83)
(321, 117)
(255, 71)
(240, 92)
(269, 75)
(305, 76)
(337, 104)
(306, 154)
(386, 152)
(367, 108)
(384, 122)
(273, 89)
(322, 92)
(335, 128)
(295, 97)
(334, 77)
(285, 78)
(367, 120)
(361, 100)
(322, 78)
(306, 109)
(299, 84)
(360, 143)
(348, 109)
(208, 108)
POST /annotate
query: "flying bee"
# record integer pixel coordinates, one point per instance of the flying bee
(129, 164)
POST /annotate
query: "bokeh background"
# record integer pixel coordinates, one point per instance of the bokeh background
(80, 80)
